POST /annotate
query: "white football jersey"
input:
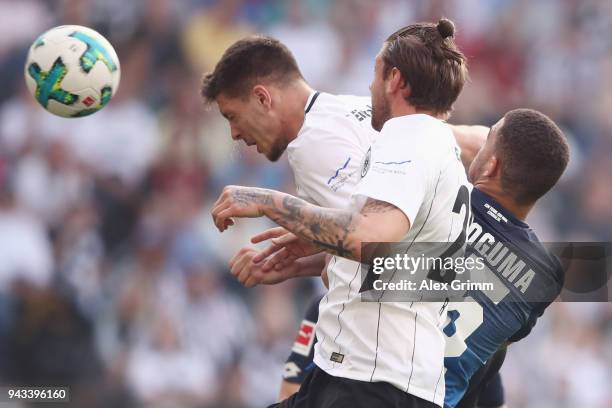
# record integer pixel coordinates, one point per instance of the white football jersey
(413, 164)
(327, 153)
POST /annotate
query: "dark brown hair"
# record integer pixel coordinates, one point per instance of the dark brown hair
(251, 59)
(533, 152)
(429, 62)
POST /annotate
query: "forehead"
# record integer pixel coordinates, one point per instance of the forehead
(499, 124)
(378, 59)
(378, 65)
(228, 103)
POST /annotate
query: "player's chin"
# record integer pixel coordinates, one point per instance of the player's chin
(376, 123)
(275, 153)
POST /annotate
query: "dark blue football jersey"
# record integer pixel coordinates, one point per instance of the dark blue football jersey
(526, 279)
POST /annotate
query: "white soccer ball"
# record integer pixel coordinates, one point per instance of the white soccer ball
(72, 71)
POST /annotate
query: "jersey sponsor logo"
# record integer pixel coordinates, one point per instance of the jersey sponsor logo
(390, 167)
(495, 213)
(366, 163)
(390, 163)
(337, 173)
(305, 338)
(361, 115)
(291, 370)
(338, 180)
(337, 357)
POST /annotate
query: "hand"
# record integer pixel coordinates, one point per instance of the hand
(251, 274)
(286, 248)
(240, 202)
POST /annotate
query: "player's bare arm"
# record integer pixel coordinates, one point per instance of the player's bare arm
(339, 232)
(470, 139)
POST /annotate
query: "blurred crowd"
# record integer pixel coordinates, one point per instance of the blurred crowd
(113, 279)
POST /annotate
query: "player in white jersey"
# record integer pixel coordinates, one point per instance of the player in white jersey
(413, 180)
(326, 136)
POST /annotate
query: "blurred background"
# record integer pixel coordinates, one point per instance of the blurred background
(113, 279)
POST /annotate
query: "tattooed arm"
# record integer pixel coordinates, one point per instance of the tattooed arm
(336, 231)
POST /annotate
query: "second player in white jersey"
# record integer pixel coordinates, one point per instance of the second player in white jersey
(414, 165)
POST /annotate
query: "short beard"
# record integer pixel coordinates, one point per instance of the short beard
(381, 112)
(276, 151)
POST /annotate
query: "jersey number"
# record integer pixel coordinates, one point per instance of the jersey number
(463, 318)
(462, 200)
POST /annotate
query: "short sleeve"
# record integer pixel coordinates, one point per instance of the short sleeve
(326, 164)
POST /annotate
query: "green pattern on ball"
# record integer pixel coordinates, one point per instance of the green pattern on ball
(39, 41)
(95, 52)
(107, 93)
(49, 84)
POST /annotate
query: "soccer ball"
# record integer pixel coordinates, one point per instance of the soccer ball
(72, 71)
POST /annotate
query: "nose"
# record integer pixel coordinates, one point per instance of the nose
(235, 134)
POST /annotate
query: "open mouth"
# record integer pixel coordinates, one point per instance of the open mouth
(249, 143)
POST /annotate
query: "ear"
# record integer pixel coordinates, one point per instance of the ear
(396, 83)
(492, 168)
(262, 96)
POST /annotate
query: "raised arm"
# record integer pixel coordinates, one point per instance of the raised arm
(338, 232)
(470, 139)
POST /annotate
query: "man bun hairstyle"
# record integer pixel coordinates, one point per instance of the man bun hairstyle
(446, 28)
(245, 63)
(428, 59)
(533, 152)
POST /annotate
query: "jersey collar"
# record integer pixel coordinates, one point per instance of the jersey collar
(311, 100)
(479, 197)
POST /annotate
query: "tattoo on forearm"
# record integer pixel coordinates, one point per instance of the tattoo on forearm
(323, 226)
(337, 249)
(254, 196)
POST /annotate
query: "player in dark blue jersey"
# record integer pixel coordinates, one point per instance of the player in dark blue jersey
(523, 157)
(485, 389)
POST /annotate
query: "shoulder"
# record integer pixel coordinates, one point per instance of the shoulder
(343, 102)
(330, 121)
(346, 110)
(418, 129)
(422, 138)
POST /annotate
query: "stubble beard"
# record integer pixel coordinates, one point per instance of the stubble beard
(276, 151)
(381, 112)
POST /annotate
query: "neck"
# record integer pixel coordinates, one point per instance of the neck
(520, 211)
(293, 107)
(401, 108)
